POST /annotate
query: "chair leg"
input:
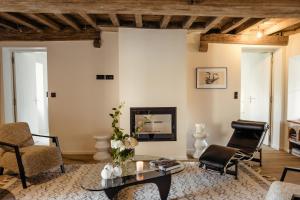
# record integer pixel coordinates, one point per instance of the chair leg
(1, 170)
(21, 168)
(260, 157)
(23, 180)
(236, 169)
(62, 168)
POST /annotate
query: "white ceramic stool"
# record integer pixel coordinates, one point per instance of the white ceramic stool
(102, 147)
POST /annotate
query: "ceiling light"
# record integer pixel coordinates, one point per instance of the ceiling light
(259, 34)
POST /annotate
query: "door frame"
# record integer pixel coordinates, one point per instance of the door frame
(270, 115)
(278, 85)
(9, 100)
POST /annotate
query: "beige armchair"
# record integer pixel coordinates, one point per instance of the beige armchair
(20, 155)
(280, 190)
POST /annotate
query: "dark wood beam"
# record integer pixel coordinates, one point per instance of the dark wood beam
(19, 21)
(67, 34)
(68, 21)
(282, 25)
(138, 21)
(291, 32)
(188, 23)
(114, 19)
(43, 20)
(244, 39)
(108, 28)
(230, 8)
(212, 24)
(233, 24)
(248, 25)
(165, 21)
(7, 26)
(88, 19)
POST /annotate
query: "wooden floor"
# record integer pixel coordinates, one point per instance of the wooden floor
(273, 163)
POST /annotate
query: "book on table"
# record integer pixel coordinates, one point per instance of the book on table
(165, 164)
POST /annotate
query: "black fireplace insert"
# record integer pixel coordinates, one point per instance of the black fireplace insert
(155, 123)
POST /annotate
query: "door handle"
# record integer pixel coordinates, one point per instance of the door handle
(251, 99)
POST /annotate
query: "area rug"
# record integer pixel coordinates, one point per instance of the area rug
(191, 184)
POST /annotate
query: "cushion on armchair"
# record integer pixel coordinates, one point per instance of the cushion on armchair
(16, 133)
(282, 191)
(35, 159)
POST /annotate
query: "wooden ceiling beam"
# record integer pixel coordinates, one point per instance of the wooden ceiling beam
(138, 21)
(188, 23)
(43, 20)
(67, 34)
(114, 19)
(88, 19)
(68, 21)
(7, 26)
(280, 26)
(230, 8)
(248, 25)
(212, 24)
(233, 24)
(243, 39)
(291, 32)
(165, 21)
(20, 21)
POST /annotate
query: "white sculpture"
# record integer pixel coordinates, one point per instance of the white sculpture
(117, 171)
(200, 140)
(109, 171)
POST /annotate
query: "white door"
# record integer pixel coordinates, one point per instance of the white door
(255, 87)
(30, 84)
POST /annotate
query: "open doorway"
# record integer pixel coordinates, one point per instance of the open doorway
(25, 89)
(256, 88)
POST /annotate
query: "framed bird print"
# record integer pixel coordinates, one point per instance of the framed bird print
(211, 77)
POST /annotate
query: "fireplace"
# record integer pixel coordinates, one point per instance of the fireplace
(156, 123)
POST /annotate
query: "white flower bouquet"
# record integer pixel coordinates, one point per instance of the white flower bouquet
(122, 144)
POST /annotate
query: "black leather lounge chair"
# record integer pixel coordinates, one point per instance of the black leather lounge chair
(246, 140)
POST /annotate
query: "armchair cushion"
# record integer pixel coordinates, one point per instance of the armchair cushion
(16, 133)
(35, 159)
(282, 191)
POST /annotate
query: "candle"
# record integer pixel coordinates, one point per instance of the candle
(139, 177)
(139, 166)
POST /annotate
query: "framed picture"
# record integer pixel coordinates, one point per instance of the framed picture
(211, 77)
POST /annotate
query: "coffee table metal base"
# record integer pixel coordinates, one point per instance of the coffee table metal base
(163, 183)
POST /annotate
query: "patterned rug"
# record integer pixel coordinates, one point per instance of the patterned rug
(191, 184)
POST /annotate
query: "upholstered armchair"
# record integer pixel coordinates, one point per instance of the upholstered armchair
(280, 190)
(20, 155)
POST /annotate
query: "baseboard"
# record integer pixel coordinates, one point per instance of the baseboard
(190, 151)
(78, 152)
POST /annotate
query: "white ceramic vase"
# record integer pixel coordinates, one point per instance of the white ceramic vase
(107, 171)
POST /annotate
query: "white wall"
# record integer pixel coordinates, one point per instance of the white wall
(153, 61)
(81, 107)
(294, 88)
(214, 107)
(292, 51)
(152, 72)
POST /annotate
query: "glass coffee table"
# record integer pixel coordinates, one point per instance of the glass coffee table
(92, 181)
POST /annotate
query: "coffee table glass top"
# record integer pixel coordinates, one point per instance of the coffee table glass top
(93, 181)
